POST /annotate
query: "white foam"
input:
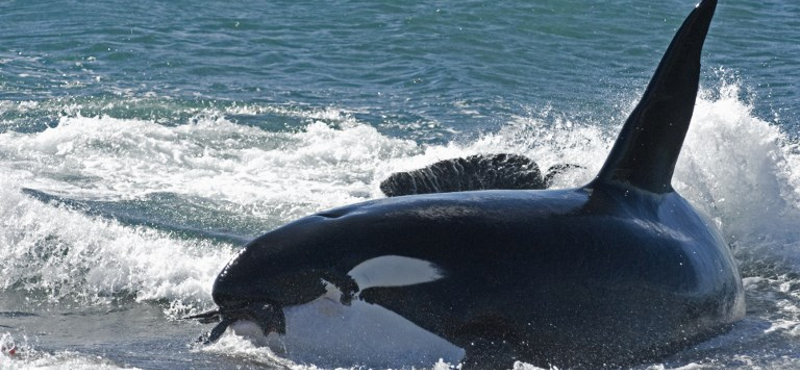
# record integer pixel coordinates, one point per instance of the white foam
(69, 255)
(108, 158)
(740, 170)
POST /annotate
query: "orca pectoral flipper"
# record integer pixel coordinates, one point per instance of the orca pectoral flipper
(648, 146)
(215, 333)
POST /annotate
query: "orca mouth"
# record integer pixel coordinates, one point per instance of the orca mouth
(268, 317)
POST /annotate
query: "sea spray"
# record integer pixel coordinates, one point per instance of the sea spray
(56, 254)
(737, 168)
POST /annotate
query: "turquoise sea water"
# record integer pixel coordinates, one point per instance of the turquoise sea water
(142, 142)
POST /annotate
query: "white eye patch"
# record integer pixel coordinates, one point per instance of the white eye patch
(394, 271)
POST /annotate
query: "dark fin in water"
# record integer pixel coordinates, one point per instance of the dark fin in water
(477, 172)
(215, 333)
(206, 317)
(648, 146)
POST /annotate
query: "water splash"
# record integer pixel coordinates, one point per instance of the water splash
(57, 254)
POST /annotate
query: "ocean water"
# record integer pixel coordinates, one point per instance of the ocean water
(143, 142)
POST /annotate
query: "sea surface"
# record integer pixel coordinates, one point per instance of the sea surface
(142, 143)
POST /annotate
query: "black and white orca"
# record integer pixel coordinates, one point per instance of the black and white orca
(617, 272)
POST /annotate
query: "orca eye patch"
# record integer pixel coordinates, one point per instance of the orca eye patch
(394, 271)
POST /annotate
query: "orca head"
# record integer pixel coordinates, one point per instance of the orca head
(257, 285)
(267, 278)
(309, 314)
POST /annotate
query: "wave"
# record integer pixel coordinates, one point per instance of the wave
(55, 254)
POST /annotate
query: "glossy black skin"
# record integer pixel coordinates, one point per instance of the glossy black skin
(582, 277)
(618, 272)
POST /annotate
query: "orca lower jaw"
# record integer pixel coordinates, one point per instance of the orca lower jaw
(268, 317)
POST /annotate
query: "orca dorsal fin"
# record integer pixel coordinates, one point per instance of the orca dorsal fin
(647, 148)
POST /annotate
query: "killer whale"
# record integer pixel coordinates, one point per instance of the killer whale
(619, 271)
